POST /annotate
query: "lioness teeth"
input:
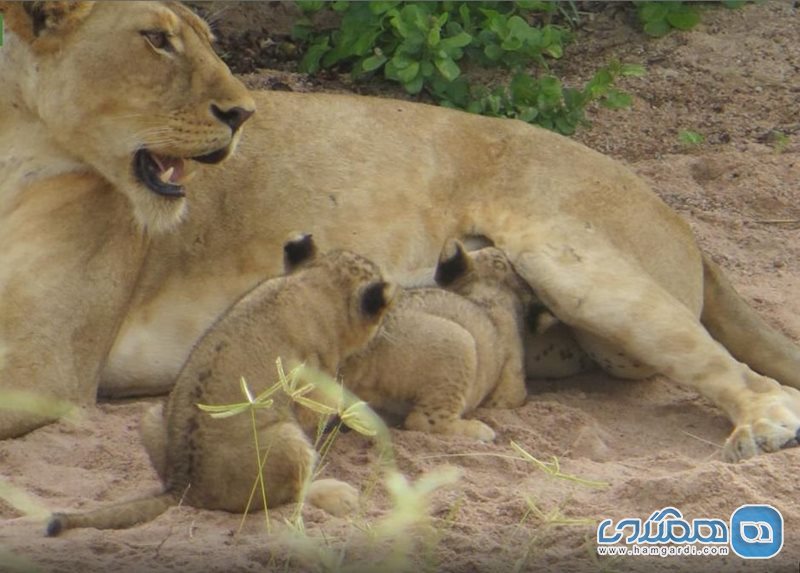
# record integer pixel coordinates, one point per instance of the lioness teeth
(166, 175)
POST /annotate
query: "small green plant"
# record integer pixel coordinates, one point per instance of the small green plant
(660, 17)
(688, 137)
(430, 47)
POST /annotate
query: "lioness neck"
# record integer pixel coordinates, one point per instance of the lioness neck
(29, 152)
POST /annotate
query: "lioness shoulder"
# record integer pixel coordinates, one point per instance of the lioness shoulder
(441, 354)
(326, 308)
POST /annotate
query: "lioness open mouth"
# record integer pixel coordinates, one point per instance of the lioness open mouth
(165, 175)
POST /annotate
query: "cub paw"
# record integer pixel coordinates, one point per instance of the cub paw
(771, 423)
(473, 429)
(336, 497)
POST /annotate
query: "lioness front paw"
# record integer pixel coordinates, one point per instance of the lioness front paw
(336, 497)
(775, 425)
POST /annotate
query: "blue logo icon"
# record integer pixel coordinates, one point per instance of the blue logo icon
(756, 531)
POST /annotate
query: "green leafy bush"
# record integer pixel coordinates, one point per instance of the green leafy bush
(424, 45)
(658, 18)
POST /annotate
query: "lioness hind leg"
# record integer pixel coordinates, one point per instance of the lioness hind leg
(592, 287)
(611, 359)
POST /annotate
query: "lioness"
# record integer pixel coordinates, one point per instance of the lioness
(114, 264)
(445, 354)
(327, 308)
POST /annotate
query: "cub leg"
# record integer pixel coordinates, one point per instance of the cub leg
(154, 437)
(591, 286)
(510, 391)
(440, 409)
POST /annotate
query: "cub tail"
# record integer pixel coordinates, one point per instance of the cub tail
(116, 516)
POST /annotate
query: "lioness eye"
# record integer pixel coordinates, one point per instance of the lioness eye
(158, 39)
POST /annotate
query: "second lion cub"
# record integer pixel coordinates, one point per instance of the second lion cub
(440, 354)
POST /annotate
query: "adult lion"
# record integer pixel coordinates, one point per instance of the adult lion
(113, 264)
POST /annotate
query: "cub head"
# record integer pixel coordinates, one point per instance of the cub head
(457, 268)
(461, 271)
(132, 89)
(355, 281)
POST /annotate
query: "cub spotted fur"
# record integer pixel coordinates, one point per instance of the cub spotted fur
(319, 314)
(445, 354)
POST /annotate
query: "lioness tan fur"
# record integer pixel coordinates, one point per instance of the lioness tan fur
(108, 278)
(445, 354)
(317, 315)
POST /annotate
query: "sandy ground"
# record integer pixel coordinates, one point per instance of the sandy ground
(735, 80)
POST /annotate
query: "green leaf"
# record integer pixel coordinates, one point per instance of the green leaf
(447, 67)
(373, 62)
(684, 19)
(379, 8)
(634, 70)
(310, 62)
(458, 41)
(657, 28)
(414, 86)
(493, 52)
(401, 60)
(616, 99)
(690, 137)
(309, 6)
(434, 36)
(653, 11)
(408, 73)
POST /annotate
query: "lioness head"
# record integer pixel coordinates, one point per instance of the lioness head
(134, 90)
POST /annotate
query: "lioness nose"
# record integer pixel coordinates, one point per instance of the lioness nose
(233, 117)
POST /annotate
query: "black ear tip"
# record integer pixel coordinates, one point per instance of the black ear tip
(298, 249)
(452, 263)
(376, 297)
(55, 525)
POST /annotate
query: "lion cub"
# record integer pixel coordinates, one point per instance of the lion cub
(445, 353)
(327, 307)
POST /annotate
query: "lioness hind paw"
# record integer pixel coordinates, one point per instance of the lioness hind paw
(768, 423)
(764, 436)
(336, 497)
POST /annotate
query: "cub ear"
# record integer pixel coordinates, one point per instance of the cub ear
(376, 298)
(298, 250)
(454, 262)
(31, 20)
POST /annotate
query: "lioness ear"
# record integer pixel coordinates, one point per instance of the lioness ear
(298, 250)
(376, 298)
(31, 20)
(454, 262)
